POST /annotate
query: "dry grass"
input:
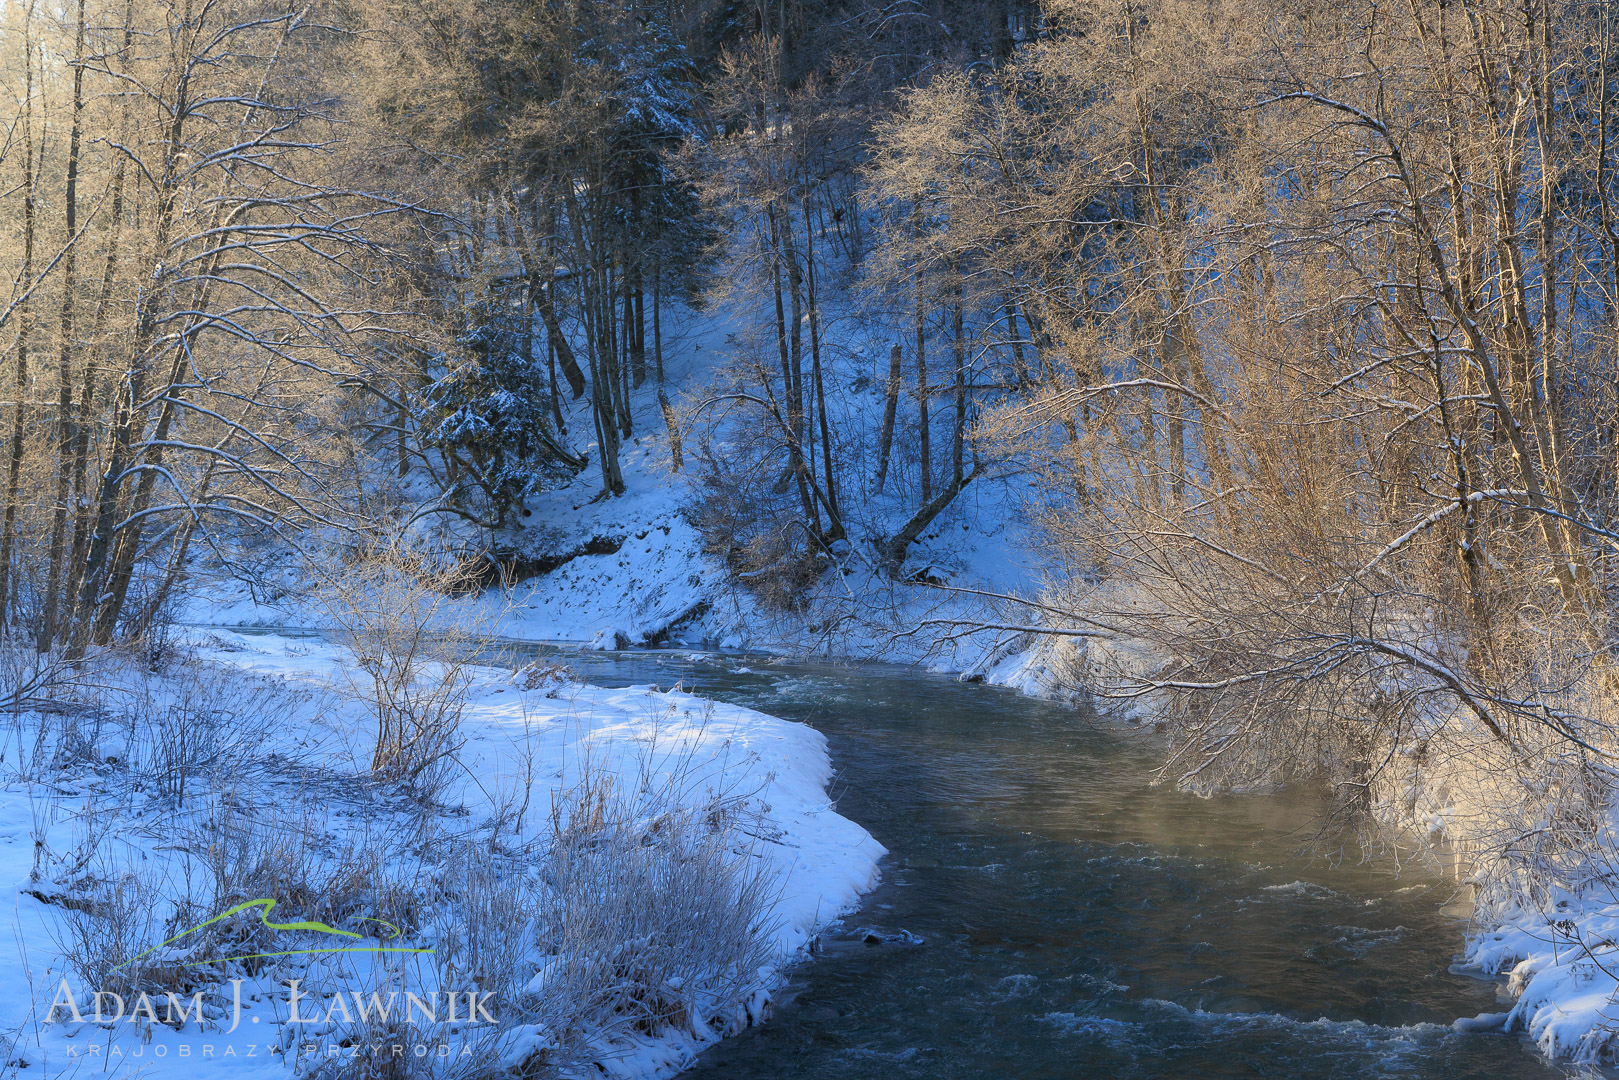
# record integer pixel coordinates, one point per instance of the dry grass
(645, 907)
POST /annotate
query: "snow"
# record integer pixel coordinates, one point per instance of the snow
(825, 861)
(1561, 966)
(820, 861)
(633, 571)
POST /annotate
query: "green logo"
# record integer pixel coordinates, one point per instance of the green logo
(265, 906)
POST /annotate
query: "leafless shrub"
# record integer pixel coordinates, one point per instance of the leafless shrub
(412, 649)
(510, 804)
(193, 721)
(208, 723)
(229, 856)
(656, 912)
(396, 1049)
(750, 524)
(545, 674)
(78, 740)
(646, 910)
(105, 926)
(36, 691)
(291, 859)
(487, 922)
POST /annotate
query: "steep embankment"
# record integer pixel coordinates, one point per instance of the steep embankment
(632, 570)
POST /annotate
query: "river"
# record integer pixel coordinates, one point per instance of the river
(1078, 922)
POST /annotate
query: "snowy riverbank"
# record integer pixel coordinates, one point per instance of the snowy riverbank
(525, 741)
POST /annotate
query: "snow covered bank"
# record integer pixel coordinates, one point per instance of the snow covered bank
(1561, 969)
(1561, 963)
(295, 779)
(631, 570)
(825, 861)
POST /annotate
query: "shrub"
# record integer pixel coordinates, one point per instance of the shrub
(411, 649)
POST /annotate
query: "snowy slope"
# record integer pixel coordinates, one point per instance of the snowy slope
(622, 571)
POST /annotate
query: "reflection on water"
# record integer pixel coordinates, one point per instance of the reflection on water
(1080, 923)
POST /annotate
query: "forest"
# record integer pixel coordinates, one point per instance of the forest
(1248, 372)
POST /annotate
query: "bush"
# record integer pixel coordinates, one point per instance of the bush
(489, 413)
(411, 647)
(641, 914)
(654, 916)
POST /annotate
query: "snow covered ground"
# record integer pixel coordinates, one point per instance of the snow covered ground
(631, 570)
(1562, 967)
(627, 571)
(302, 767)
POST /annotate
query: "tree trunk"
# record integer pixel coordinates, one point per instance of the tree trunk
(890, 408)
(540, 266)
(893, 550)
(558, 342)
(672, 422)
(601, 381)
(1019, 368)
(66, 435)
(923, 430)
(835, 529)
(619, 350)
(402, 442)
(25, 321)
(82, 521)
(657, 308)
(638, 325)
(795, 374)
(959, 435)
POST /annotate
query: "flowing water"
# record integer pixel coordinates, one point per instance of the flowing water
(1080, 923)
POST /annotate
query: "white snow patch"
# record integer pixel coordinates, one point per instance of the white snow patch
(822, 862)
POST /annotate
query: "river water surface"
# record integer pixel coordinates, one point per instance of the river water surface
(1079, 922)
